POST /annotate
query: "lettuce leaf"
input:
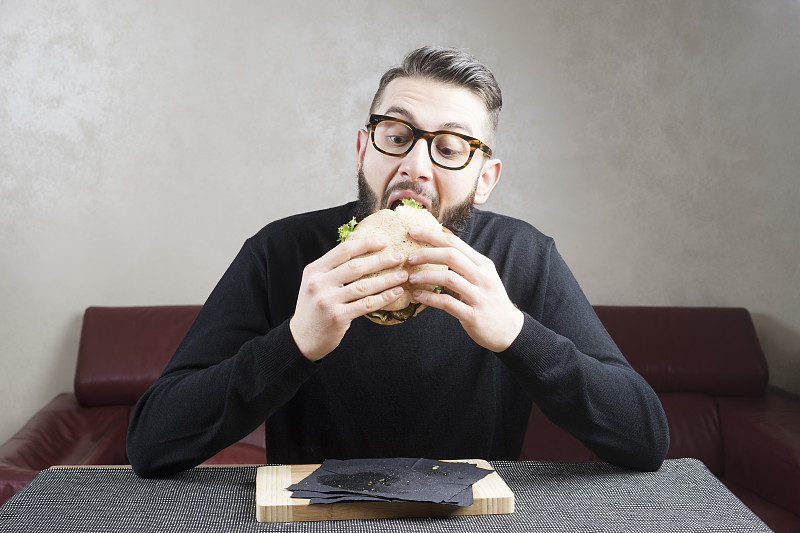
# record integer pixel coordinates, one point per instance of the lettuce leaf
(410, 202)
(346, 229)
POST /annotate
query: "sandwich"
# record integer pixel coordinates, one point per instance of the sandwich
(393, 226)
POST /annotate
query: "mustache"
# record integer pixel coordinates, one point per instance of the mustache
(416, 188)
(455, 218)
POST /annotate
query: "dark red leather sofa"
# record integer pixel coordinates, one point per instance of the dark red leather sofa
(706, 365)
(122, 351)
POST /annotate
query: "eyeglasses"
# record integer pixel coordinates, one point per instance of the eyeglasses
(447, 149)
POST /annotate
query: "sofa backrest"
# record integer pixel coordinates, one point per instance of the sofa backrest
(711, 350)
(689, 355)
(124, 349)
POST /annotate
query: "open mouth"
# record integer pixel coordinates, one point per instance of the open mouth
(397, 198)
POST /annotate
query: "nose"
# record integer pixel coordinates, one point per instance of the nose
(416, 164)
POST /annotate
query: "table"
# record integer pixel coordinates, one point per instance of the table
(682, 496)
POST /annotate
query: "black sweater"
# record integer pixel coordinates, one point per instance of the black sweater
(418, 389)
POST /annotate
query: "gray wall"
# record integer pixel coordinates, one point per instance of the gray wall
(142, 142)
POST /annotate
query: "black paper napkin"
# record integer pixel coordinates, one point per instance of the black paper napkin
(394, 479)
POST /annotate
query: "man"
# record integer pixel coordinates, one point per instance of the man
(282, 338)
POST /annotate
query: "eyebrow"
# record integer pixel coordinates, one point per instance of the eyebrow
(446, 126)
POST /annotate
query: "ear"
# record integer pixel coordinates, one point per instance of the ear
(490, 175)
(362, 140)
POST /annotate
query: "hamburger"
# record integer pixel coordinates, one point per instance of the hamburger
(393, 226)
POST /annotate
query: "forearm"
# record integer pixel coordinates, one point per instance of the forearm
(191, 413)
(597, 397)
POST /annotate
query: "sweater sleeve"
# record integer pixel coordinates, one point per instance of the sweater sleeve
(577, 376)
(231, 371)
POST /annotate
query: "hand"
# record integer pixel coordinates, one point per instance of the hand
(477, 296)
(332, 293)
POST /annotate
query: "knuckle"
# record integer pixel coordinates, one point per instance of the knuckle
(376, 301)
(312, 284)
(447, 305)
(387, 260)
(360, 265)
(448, 302)
(354, 265)
(362, 286)
(323, 305)
(451, 278)
(372, 302)
(335, 314)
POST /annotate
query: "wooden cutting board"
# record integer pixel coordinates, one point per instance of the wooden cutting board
(274, 503)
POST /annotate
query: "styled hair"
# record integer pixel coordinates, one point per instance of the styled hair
(450, 66)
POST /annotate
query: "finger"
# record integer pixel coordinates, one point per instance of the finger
(358, 267)
(365, 287)
(371, 303)
(450, 257)
(445, 302)
(440, 239)
(347, 250)
(449, 279)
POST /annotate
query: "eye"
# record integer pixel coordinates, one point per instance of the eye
(451, 147)
(397, 140)
(393, 136)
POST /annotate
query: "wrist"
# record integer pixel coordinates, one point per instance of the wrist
(513, 330)
(306, 349)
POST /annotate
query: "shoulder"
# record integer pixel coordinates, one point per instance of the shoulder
(299, 238)
(488, 230)
(327, 220)
(320, 225)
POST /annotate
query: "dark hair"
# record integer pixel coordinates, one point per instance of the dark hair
(451, 66)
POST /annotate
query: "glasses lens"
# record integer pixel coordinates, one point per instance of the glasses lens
(397, 138)
(393, 137)
(450, 151)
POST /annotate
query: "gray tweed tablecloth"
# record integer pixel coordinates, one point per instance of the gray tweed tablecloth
(682, 496)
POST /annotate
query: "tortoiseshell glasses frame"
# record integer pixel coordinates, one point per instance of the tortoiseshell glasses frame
(440, 157)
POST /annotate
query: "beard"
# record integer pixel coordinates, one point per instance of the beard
(454, 218)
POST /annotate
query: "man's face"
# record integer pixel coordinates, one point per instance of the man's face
(384, 180)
